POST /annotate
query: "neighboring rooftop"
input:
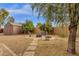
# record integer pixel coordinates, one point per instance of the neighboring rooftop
(15, 24)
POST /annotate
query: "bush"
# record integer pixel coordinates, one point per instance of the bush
(28, 27)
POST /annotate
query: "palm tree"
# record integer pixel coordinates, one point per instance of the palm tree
(61, 13)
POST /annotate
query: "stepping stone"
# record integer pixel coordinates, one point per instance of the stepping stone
(31, 48)
(29, 53)
(52, 38)
(33, 43)
(43, 38)
(35, 39)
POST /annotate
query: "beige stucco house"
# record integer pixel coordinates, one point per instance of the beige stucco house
(12, 28)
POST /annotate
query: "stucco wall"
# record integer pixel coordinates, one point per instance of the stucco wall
(12, 29)
(16, 29)
(8, 29)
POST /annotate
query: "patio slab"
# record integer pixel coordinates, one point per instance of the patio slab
(29, 53)
(52, 38)
(31, 48)
(34, 41)
(34, 44)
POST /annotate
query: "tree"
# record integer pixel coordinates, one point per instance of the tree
(73, 13)
(28, 27)
(61, 13)
(46, 11)
(48, 26)
(3, 14)
(40, 26)
(10, 19)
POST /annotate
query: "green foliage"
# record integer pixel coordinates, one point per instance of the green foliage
(53, 12)
(40, 25)
(45, 10)
(48, 27)
(10, 19)
(3, 14)
(62, 13)
(28, 26)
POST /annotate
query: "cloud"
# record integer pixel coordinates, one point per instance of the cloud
(27, 6)
(25, 9)
(18, 11)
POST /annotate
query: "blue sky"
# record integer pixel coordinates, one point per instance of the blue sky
(21, 12)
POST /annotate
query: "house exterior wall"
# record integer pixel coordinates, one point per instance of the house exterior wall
(12, 29)
(8, 29)
(16, 29)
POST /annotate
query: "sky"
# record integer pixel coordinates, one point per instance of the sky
(21, 12)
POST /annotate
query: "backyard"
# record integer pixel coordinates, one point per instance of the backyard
(19, 45)
(39, 29)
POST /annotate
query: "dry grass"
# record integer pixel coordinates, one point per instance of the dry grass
(17, 43)
(56, 47)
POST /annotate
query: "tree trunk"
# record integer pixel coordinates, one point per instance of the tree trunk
(72, 38)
